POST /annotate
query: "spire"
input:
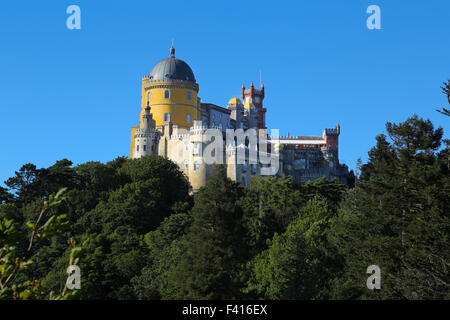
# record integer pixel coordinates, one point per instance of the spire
(172, 50)
(260, 78)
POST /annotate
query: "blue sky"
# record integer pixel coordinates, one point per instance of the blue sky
(76, 93)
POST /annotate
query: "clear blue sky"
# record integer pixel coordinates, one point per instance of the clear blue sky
(76, 93)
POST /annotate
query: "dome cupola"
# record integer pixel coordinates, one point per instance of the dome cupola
(172, 68)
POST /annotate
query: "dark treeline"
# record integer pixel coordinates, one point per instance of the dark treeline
(149, 238)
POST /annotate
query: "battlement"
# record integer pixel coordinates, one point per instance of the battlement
(293, 138)
(142, 133)
(332, 132)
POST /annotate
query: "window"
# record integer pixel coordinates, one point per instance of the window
(186, 164)
(189, 95)
(196, 150)
(137, 148)
(148, 96)
(166, 116)
(166, 94)
(244, 166)
(254, 168)
(188, 118)
(145, 147)
(186, 146)
(196, 165)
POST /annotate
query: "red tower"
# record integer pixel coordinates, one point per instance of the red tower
(256, 96)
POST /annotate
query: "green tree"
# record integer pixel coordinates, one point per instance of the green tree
(5, 196)
(269, 206)
(397, 218)
(332, 191)
(13, 262)
(22, 184)
(165, 249)
(215, 251)
(299, 263)
(446, 91)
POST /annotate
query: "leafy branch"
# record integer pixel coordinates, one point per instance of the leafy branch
(11, 264)
(446, 91)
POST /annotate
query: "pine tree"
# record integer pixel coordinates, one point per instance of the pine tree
(215, 251)
(397, 217)
(446, 91)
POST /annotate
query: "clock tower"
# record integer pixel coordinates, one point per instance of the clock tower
(256, 97)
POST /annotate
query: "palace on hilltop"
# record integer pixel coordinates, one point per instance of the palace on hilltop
(173, 122)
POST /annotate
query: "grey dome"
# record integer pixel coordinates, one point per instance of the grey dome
(172, 68)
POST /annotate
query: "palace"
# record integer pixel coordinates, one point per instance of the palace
(174, 123)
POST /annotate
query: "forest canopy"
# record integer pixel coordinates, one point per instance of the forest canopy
(144, 235)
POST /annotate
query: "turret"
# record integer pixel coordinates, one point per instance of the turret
(146, 138)
(237, 111)
(256, 97)
(331, 137)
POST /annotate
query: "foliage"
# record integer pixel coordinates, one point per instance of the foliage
(13, 262)
(446, 91)
(215, 250)
(298, 263)
(136, 231)
(397, 217)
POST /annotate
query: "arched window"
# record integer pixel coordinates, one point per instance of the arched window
(188, 118)
(167, 94)
(148, 96)
(196, 165)
(186, 164)
(189, 95)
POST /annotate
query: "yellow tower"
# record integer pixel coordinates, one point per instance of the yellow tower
(172, 93)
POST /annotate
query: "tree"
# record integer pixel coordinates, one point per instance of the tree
(152, 187)
(166, 248)
(5, 196)
(330, 190)
(215, 251)
(299, 263)
(269, 206)
(23, 182)
(446, 91)
(13, 262)
(397, 218)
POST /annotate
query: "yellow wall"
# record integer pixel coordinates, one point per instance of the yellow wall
(177, 105)
(133, 130)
